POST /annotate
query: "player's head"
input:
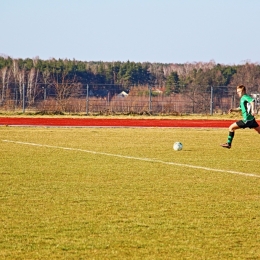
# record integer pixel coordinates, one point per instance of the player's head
(241, 90)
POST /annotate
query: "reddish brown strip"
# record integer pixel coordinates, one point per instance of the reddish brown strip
(84, 122)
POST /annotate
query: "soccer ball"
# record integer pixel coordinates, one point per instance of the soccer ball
(177, 146)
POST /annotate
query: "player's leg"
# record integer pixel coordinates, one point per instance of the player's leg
(255, 126)
(232, 128)
(257, 129)
(231, 134)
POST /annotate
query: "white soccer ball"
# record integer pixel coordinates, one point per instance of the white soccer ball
(177, 146)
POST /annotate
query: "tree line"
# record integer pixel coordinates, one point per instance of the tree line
(68, 76)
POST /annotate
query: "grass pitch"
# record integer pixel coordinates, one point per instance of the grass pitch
(118, 193)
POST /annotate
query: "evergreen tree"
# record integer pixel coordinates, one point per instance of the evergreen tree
(172, 83)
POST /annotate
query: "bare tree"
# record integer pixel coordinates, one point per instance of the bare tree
(199, 98)
(65, 87)
(15, 70)
(249, 75)
(3, 73)
(21, 82)
(30, 85)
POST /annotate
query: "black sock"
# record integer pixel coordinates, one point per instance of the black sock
(230, 137)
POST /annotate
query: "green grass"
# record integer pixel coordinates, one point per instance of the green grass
(215, 116)
(71, 204)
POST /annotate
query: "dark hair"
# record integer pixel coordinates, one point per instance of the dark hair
(242, 88)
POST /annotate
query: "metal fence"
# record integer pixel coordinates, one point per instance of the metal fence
(117, 99)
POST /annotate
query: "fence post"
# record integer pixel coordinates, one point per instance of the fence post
(150, 98)
(45, 92)
(87, 101)
(16, 98)
(108, 97)
(23, 98)
(211, 100)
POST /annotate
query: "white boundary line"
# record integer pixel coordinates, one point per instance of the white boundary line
(137, 158)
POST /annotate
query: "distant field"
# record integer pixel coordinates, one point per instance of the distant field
(124, 193)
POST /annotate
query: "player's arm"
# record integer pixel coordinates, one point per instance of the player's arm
(253, 109)
(237, 109)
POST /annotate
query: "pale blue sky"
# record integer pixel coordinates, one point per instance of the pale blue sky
(165, 31)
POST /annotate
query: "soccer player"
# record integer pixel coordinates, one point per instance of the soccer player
(247, 107)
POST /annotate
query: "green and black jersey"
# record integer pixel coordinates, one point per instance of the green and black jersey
(246, 108)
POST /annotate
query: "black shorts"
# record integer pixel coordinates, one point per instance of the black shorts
(248, 124)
